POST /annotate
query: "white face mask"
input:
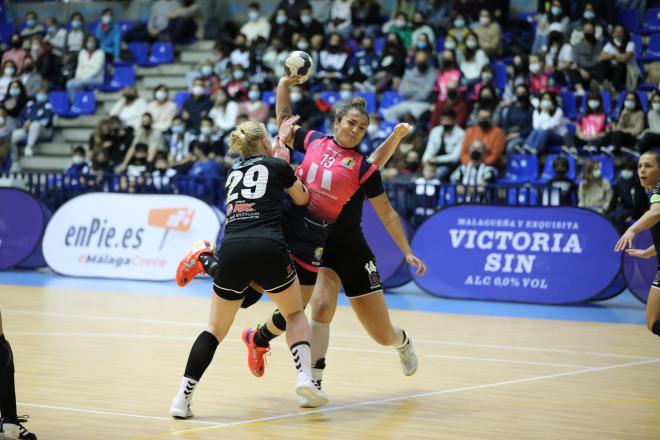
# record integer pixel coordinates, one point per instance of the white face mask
(626, 174)
(593, 104)
(596, 173)
(253, 95)
(161, 95)
(372, 129)
(345, 94)
(471, 43)
(206, 70)
(450, 45)
(303, 45)
(295, 96)
(486, 77)
(629, 104)
(484, 21)
(9, 72)
(656, 106)
(106, 19)
(546, 104)
(205, 130)
(399, 22)
(198, 90)
(253, 15)
(239, 74)
(77, 160)
(534, 67)
(305, 19)
(2, 121)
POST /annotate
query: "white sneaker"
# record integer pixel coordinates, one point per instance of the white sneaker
(28, 152)
(408, 358)
(180, 408)
(310, 395)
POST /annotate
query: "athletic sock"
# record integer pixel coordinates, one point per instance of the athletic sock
(263, 336)
(320, 338)
(201, 355)
(400, 337)
(656, 327)
(302, 358)
(7, 385)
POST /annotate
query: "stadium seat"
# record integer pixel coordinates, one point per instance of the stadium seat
(637, 40)
(6, 31)
(521, 168)
(652, 19)
(140, 52)
(181, 97)
(84, 103)
(390, 98)
(59, 100)
(439, 44)
(628, 18)
(125, 26)
(549, 173)
(653, 49)
(331, 97)
(93, 25)
(162, 52)
(124, 76)
(387, 127)
(268, 96)
(370, 97)
(619, 104)
(379, 44)
(568, 104)
(499, 70)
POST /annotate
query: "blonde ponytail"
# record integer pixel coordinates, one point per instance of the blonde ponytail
(245, 138)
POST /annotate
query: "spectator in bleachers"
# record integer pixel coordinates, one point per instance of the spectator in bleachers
(203, 169)
(475, 173)
(489, 33)
(627, 126)
(448, 74)
(374, 137)
(340, 17)
(147, 135)
(198, 106)
(426, 190)
(31, 79)
(650, 137)
(16, 54)
(576, 29)
(8, 75)
(420, 26)
(321, 10)
(90, 68)
(595, 192)
(392, 64)
(159, 16)
(474, 59)
(240, 56)
(305, 24)
(162, 176)
(469, 9)
(416, 88)
(108, 35)
(75, 37)
(445, 142)
(31, 29)
(257, 24)
(236, 87)
(224, 111)
(5, 146)
(363, 63)
(586, 54)
(590, 127)
(209, 134)
(540, 76)
(616, 59)
(221, 61)
(55, 36)
(454, 101)
(548, 123)
(292, 7)
(556, 19)
(459, 32)
(407, 7)
(208, 76)
(491, 135)
(177, 142)
(45, 62)
(517, 118)
(254, 107)
(366, 14)
(398, 25)
(34, 122)
(15, 101)
(186, 22)
(79, 166)
(605, 9)
(487, 99)
(101, 163)
(275, 55)
(138, 164)
(129, 108)
(486, 79)
(302, 104)
(162, 108)
(110, 136)
(423, 44)
(282, 27)
(333, 63)
(559, 57)
(622, 207)
(560, 182)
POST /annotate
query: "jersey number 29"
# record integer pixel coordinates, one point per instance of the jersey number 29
(254, 180)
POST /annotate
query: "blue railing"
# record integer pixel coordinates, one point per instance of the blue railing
(414, 200)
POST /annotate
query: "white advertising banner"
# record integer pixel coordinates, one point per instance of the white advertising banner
(130, 236)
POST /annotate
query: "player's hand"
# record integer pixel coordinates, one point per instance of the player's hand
(419, 264)
(625, 241)
(401, 130)
(291, 80)
(641, 253)
(280, 151)
(286, 128)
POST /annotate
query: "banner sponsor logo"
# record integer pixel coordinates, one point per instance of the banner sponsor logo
(126, 235)
(542, 255)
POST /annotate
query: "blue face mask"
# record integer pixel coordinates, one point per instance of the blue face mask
(41, 97)
(589, 15)
(556, 10)
(207, 70)
(280, 19)
(421, 45)
(75, 24)
(14, 92)
(305, 19)
(30, 23)
(253, 95)
(177, 129)
(459, 23)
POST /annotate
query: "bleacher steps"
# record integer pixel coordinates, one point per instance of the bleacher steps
(166, 70)
(45, 163)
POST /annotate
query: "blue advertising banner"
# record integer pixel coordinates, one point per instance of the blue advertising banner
(36, 259)
(535, 255)
(640, 272)
(618, 286)
(22, 225)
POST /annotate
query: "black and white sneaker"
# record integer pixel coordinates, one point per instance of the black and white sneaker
(16, 431)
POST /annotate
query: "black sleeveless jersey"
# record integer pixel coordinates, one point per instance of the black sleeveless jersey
(254, 192)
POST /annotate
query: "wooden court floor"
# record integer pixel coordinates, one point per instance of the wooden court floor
(100, 365)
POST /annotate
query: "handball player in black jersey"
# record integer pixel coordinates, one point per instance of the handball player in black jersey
(648, 170)
(253, 250)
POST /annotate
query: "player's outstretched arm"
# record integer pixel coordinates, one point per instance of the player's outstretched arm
(282, 105)
(298, 192)
(390, 219)
(646, 221)
(384, 152)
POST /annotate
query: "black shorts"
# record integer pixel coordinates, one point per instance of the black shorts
(356, 268)
(262, 261)
(305, 276)
(306, 237)
(656, 280)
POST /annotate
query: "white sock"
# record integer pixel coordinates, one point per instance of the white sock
(400, 338)
(187, 388)
(302, 357)
(320, 338)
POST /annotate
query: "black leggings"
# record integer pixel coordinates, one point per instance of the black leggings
(619, 139)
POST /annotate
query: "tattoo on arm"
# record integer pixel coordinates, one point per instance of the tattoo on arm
(285, 112)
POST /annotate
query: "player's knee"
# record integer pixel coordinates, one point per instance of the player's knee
(323, 311)
(217, 331)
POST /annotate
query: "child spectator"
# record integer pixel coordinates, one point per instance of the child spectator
(595, 192)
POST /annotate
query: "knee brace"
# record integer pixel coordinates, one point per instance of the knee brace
(279, 320)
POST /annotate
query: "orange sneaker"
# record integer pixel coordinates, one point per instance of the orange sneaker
(256, 355)
(190, 266)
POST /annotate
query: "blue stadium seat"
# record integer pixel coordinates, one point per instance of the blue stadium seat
(268, 96)
(568, 104)
(448, 197)
(499, 70)
(140, 52)
(181, 97)
(331, 97)
(379, 44)
(652, 50)
(6, 31)
(84, 103)
(637, 40)
(521, 168)
(652, 19)
(390, 98)
(124, 76)
(628, 18)
(549, 173)
(125, 26)
(370, 97)
(93, 25)
(439, 44)
(387, 127)
(162, 52)
(59, 99)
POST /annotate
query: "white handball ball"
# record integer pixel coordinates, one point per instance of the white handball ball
(299, 64)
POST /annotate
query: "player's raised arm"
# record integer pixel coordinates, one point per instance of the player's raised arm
(384, 152)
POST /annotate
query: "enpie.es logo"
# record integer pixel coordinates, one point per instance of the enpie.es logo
(176, 219)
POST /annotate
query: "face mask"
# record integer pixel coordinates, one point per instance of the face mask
(372, 129)
(2, 121)
(589, 15)
(130, 97)
(484, 21)
(239, 74)
(618, 41)
(253, 95)
(484, 125)
(471, 43)
(303, 45)
(447, 128)
(41, 97)
(27, 68)
(522, 98)
(9, 71)
(305, 19)
(77, 160)
(272, 128)
(295, 96)
(280, 19)
(421, 45)
(590, 37)
(14, 92)
(450, 45)
(656, 106)
(30, 23)
(626, 174)
(253, 15)
(629, 104)
(161, 95)
(534, 67)
(198, 90)
(546, 104)
(35, 47)
(207, 70)
(447, 63)
(422, 67)
(399, 22)
(76, 24)
(91, 46)
(452, 93)
(146, 125)
(177, 129)
(106, 19)
(205, 130)
(596, 174)
(475, 155)
(459, 23)
(486, 77)
(345, 94)
(16, 44)
(593, 104)
(555, 10)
